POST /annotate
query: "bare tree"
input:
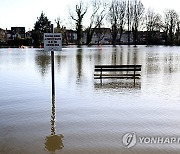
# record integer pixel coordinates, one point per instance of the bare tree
(113, 17)
(153, 21)
(61, 29)
(78, 18)
(138, 11)
(116, 15)
(153, 26)
(177, 35)
(96, 18)
(100, 32)
(170, 25)
(117, 19)
(130, 18)
(128, 21)
(121, 17)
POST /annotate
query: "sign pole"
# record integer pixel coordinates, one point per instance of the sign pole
(52, 72)
(52, 42)
(52, 68)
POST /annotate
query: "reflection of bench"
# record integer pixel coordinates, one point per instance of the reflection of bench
(117, 72)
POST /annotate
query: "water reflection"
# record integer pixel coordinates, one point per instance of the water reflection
(118, 85)
(114, 56)
(117, 55)
(159, 62)
(121, 56)
(88, 126)
(170, 66)
(54, 141)
(79, 60)
(133, 55)
(43, 61)
(153, 62)
(77, 65)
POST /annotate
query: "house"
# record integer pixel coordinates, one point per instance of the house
(124, 37)
(143, 37)
(28, 34)
(17, 32)
(71, 36)
(2, 35)
(102, 36)
(150, 37)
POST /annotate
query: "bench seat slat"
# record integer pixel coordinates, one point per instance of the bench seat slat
(118, 75)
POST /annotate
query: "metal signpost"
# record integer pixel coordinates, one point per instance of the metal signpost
(53, 42)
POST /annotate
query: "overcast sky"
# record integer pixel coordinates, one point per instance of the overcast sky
(24, 13)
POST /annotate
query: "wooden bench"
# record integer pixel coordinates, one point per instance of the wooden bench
(117, 72)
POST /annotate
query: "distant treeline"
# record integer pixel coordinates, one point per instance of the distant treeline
(121, 16)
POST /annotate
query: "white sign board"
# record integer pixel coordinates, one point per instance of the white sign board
(52, 41)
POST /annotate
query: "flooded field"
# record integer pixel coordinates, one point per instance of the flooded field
(85, 116)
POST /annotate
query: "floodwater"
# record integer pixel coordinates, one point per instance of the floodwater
(87, 117)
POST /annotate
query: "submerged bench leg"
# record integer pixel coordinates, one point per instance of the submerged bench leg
(134, 76)
(101, 76)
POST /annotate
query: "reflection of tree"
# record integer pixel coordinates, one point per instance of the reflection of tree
(128, 55)
(114, 56)
(161, 62)
(98, 56)
(121, 56)
(53, 142)
(153, 62)
(58, 59)
(118, 85)
(117, 56)
(169, 65)
(79, 63)
(43, 61)
(135, 56)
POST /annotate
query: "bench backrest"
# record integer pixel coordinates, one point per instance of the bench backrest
(117, 68)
